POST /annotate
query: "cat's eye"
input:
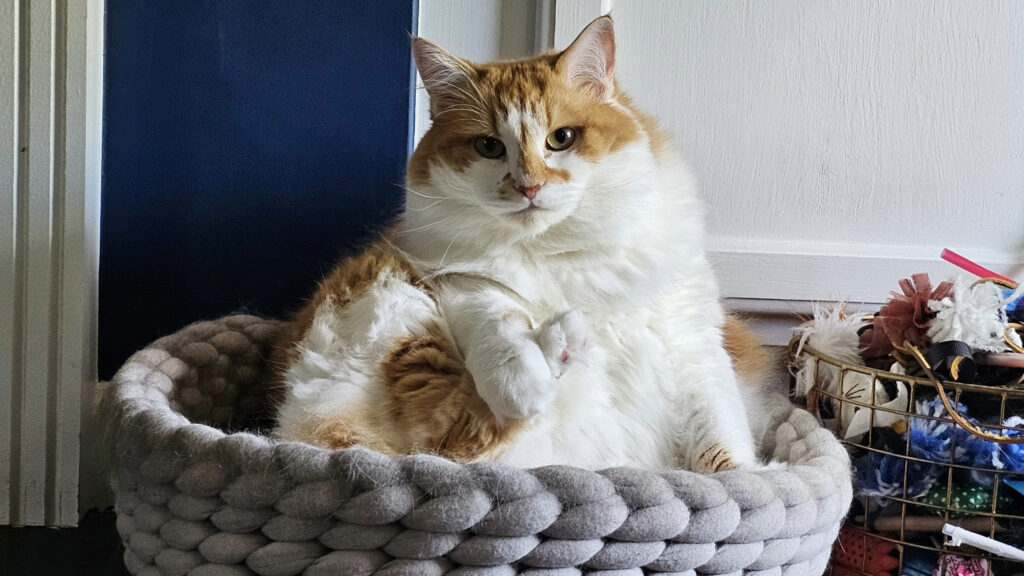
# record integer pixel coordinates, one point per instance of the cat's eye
(561, 139)
(489, 147)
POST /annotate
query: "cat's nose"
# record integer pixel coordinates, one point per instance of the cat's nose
(529, 191)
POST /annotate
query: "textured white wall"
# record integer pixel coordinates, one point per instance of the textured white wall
(840, 144)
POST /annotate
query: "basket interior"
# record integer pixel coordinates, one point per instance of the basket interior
(933, 483)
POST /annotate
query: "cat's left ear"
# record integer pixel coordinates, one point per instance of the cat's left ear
(447, 78)
(589, 62)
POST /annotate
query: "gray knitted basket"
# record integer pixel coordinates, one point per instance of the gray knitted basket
(196, 496)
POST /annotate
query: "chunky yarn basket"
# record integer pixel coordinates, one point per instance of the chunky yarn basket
(201, 491)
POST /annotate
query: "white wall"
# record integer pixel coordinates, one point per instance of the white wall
(841, 145)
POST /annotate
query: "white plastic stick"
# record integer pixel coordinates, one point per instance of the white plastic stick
(959, 536)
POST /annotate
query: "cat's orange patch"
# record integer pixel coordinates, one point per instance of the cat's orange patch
(750, 358)
(714, 458)
(433, 404)
(343, 430)
(347, 281)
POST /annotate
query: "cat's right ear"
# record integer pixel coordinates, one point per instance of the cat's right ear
(447, 78)
(589, 62)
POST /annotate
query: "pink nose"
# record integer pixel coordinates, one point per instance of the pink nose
(529, 191)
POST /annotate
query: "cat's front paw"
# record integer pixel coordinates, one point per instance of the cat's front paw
(530, 384)
(519, 378)
(564, 340)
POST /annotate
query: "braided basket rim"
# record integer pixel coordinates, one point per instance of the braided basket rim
(143, 415)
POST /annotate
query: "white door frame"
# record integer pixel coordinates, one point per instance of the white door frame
(51, 123)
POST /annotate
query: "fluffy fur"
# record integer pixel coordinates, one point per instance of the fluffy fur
(541, 306)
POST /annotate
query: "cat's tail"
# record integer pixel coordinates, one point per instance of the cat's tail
(762, 385)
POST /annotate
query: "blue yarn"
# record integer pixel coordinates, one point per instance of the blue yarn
(1010, 457)
(881, 475)
(1015, 308)
(930, 443)
(939, 441)
(942, 441)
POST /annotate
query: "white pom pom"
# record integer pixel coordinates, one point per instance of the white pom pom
(832, 333)
(973, 315)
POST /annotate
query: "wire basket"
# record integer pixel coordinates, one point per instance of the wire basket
(900, 531)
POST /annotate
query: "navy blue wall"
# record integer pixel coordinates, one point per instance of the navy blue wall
(247, 145)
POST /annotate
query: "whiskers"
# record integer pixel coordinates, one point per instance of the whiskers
(440, 264)
(422, 195)
(405, 231)
(429, 206)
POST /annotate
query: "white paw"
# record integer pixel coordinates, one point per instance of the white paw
(528, 384)
(518, 379)
(513, 378)
(563, 340)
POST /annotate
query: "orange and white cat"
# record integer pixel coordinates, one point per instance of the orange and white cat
(545, 296)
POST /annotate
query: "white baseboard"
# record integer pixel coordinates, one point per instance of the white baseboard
(820, 271)
(774, 284)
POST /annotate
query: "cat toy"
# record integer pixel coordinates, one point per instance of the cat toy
(835, 333)
(1013, 292)
(974, 313)
(958, 536)
(935, 438)
(906, 317)
(832, 332)
(881, 476)
(1010, 457)
(966, 499)
(859, 553)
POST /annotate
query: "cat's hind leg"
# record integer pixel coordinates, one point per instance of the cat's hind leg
(713, 432)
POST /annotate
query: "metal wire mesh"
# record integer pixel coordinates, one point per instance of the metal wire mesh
(908, 521)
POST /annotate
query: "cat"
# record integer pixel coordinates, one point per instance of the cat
(545, 296)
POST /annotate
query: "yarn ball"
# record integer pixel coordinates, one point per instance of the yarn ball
(861, 553)
(973, 314)
(940, 440)
(968, 498)
(881, 475)
(905, 318)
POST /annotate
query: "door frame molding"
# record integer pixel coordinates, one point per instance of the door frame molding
(50, 161)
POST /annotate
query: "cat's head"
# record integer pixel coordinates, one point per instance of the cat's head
(522, 147)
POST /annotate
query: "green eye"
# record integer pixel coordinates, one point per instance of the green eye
(561, 139)
(489, 147)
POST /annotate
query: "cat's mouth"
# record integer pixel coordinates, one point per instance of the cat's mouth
(529, 209)
(529, 213)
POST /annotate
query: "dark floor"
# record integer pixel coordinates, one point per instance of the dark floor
(94, 548)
